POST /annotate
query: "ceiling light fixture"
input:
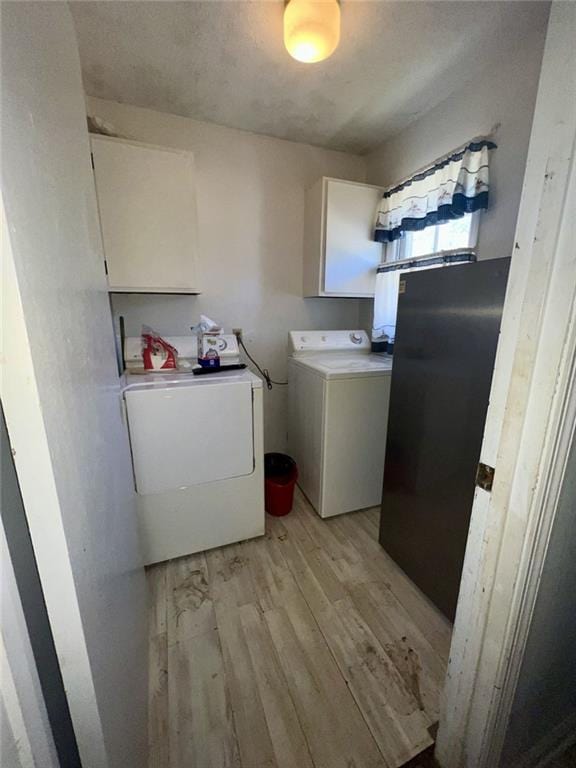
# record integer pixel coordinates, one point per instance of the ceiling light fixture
(311, 29)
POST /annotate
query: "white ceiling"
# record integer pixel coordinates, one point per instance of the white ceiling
(224, 62)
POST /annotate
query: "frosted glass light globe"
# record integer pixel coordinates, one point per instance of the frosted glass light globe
(311, 29)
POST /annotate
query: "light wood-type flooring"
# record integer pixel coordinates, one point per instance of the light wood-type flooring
(307, 648)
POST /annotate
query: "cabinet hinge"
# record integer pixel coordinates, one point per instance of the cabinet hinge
(485, 477)
(92, 160)
(106, 267)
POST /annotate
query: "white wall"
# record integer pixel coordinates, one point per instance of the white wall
(60, 389)
(250, 192)
(499, 101)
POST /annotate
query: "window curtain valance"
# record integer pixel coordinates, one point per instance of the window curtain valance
(452, 186)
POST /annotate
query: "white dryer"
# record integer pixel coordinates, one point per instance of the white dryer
(197, 454)
(338, 412)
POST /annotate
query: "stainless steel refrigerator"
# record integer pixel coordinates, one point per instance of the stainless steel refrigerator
(446, 336)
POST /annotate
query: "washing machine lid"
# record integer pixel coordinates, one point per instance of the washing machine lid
(346, 366)
(187, 430)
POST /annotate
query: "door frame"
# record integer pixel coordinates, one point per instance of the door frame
(530, 424)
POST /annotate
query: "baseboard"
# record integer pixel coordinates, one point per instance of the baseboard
(553, 744)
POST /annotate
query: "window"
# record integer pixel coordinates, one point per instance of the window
(458, 234)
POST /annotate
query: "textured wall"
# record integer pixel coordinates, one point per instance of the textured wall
(60, 389)
(502, 97)
(250, 192)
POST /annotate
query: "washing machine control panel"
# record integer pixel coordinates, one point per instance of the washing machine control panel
(328, 341)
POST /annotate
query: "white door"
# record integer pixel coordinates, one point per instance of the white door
(351, 255)
(147, 204)
(529, 428)
(60, 390)
(186, 435)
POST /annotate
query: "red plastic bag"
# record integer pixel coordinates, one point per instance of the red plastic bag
(157, 354)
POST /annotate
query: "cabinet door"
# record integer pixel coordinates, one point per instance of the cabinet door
(351, 255)
(148, 217)
(217, 446)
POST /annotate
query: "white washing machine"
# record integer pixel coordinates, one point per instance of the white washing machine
(338, 412)
(197, 454)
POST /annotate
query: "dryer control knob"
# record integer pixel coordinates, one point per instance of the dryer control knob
(356, 338)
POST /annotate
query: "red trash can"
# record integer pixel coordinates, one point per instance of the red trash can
(280, 475)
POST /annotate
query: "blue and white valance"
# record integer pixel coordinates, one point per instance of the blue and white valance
(455, 185)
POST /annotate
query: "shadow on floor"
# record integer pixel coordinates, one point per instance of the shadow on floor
(426, 760)
(423, 760)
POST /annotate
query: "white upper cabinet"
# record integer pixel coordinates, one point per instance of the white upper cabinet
(147, 204)
(340, 256)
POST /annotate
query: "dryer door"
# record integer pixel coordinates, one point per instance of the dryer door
(186, 435)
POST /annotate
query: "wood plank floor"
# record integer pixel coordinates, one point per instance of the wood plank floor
(307, 648)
